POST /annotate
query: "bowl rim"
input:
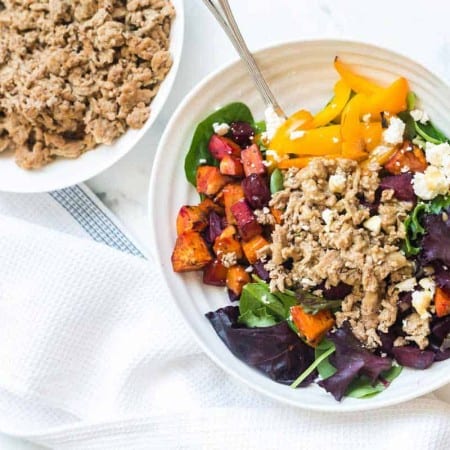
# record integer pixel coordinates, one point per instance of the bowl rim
(54, 181)
(152, 190)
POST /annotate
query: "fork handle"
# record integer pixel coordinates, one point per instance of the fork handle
(227, 21)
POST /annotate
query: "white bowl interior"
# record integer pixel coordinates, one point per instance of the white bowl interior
(66, 172)
(302, 76)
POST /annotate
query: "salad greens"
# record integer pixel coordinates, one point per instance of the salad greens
(413, 224)
(276, 181)
(198, 153)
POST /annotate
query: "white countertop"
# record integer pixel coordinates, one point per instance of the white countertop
(415, 28)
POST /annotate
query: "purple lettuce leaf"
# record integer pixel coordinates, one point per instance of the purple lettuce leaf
(401, 185)
(440, 328)
(413, 357)
(275, 351)
(261, 271)
(436, 242)
(338, 292)
(442, 277)
(351, 359)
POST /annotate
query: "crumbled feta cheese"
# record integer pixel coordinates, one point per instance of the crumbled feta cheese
(394, 133)
(335, 140)
(276, 156)
(337, 183)
(266, 210)
(264, 299)
(430, 184)
(407, 285)
(419, 116)
(421, 301)
(293, 135)
(249, 269)
(373, 224)
(307, 282)
(435, 153)
(202, 161)
(366, 117)
(428, 284)
(327, 216)
(221, 128)
(273, 121)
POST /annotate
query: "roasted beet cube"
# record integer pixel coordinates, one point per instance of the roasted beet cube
(209, 180)
(242, 133)
(230, 165)
(246, 221)
(220, 146)
(215, 273)
(256, 190)
(253, 161)
(215, 227)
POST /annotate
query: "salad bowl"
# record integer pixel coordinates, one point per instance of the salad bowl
(301, 75)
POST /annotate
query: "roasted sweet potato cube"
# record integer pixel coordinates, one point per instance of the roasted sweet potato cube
(190, 252)
(227, 243)
(247, 224)
(407, 158)
(215, 273)
(252, 161)
(232, 193)
(207, 205)
(277, 215)
(252, 247)
(220, 146)
(209, 180)
(231, 166)
(312, 326)
(237, 278)
(191, 218)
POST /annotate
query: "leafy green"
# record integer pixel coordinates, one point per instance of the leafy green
(362, 387)
(325, 369)
(324, 356)
(411, 100)
(430, 133)
(258, 307)
(276, 181)
(413, 225)
(312, 304)
(260, 127)
(198, 151)
(410, 125)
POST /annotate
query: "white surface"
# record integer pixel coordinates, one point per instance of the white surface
(66, 172)
(301, 76)
(417, 29)
(110, 364)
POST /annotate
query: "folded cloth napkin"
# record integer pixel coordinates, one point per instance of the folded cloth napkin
(94, 355)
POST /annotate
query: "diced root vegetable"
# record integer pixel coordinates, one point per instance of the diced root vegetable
(227, 244)
(215, 273)
(252, 161)
(232, 193)
(237, 278)
(442, 302)
(277, 215)
(190, 252)
(252, 247)
(247, 224)
(242, 133)
(312, 326)
(207, 205)
(256, 190)
(220, 146)
(191, 218)
(232, 166)
(209, 180)
(409, 157)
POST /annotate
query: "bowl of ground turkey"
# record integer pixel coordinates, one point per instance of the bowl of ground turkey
(80, 84)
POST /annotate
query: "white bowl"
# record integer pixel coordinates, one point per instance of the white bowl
(301, 75)
(66, 172)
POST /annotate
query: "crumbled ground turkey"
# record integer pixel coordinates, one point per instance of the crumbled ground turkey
(77, 74)
(326, 237)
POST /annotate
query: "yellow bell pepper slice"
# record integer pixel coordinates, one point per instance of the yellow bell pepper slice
(353, 145)
(391, 99)
(372, 133)
(358, 83)
(316, 142)
(342, 93)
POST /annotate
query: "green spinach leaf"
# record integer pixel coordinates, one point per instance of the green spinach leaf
(312, 304)
(362, 387)
(410, 125)
(431, 134)
(276, 181)
(198, 151)
(324, 368)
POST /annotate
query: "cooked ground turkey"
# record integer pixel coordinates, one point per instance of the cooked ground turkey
(328, 235)
(77, 74)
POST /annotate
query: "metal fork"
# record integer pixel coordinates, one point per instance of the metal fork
(222, 13)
